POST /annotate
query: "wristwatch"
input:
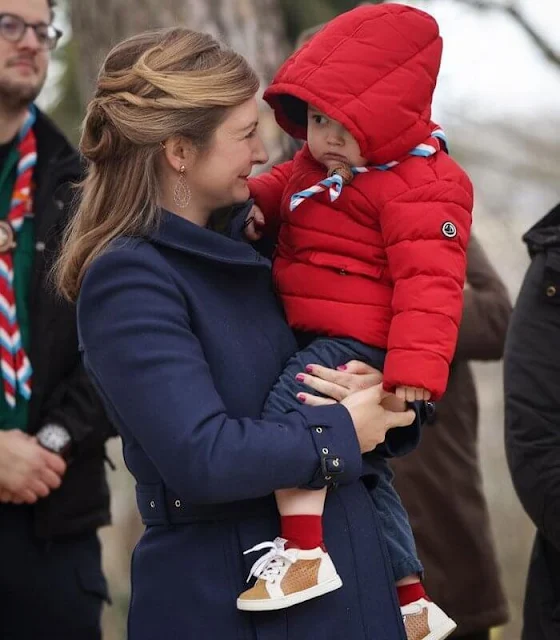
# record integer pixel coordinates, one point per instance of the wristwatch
(55, 438)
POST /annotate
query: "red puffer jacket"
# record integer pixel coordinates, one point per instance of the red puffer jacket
(381, 264)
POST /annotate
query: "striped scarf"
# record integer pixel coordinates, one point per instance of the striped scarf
(16, 368)
(334, 183)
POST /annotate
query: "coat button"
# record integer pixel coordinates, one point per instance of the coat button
(39, 246)
(551, 291)
(318, 430)
(325, 450)
(342, 272)
(431, 412)
(336, 462)
(177, 503)
(59, 204)
(152, 504)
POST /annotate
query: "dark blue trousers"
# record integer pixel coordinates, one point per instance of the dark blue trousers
(48, 590)
(332, 352)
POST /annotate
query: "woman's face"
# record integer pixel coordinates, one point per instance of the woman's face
(218, 176)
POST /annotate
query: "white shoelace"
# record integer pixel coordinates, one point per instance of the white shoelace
(269, 566)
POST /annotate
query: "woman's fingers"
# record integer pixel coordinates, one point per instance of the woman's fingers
(360, 368)
(400, 418)
(314, 401)
(353, 380)
(329, 375)
(329, 389)
(392, 403)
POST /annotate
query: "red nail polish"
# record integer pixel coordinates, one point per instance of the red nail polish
(300, 377)
(301, 397)
(342, 367)
(309, 368)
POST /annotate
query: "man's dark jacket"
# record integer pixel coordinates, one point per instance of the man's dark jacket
(532, 402)
(61, 391)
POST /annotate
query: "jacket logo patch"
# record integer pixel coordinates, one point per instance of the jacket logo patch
(449, 230)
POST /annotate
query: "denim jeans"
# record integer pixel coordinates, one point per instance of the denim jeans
(332, 352)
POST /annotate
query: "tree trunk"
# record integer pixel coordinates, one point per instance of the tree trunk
(254, 28)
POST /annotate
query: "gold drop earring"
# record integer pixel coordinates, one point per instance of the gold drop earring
(182, 192)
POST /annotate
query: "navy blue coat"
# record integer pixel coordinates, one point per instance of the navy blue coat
(183, 336)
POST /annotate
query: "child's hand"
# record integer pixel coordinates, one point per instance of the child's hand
(254, 224)
(411, 394)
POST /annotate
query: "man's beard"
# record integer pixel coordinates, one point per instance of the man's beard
(16, 96)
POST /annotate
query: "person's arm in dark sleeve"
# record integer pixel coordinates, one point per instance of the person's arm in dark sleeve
(76, 406)
(532, 396)
(486, 309)
(150, 368)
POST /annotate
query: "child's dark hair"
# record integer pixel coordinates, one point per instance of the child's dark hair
(295, 109)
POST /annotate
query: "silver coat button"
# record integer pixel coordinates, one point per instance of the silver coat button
(152, 504)
(177, 503)
(318, 430)
(325, 450)
(39, 246)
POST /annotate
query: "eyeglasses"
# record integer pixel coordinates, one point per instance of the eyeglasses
(13, 28)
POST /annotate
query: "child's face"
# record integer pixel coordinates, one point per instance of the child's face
(330, 143)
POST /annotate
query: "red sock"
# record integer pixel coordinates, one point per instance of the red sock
(410, 593)
(305, 532)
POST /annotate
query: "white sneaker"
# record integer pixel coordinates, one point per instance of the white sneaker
(424, 620)
(287, 576)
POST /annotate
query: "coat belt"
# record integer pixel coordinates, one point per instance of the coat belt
(158, 505)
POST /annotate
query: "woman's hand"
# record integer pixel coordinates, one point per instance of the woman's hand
(337, 383)
(371, 419)
(358, 387)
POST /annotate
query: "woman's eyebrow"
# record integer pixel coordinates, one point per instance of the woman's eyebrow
(252, 125)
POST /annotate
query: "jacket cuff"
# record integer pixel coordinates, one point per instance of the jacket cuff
(402, 440)
(422, 369)
(334, 437)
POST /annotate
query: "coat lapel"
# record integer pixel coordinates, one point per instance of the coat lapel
(181, 234)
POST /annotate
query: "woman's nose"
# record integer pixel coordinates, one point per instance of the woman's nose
(260, 156)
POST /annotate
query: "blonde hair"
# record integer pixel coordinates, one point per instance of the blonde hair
(152, 86)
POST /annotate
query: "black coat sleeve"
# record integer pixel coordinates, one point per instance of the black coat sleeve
(76, 406)
(532, 394)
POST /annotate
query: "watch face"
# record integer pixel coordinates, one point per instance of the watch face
(54, 437)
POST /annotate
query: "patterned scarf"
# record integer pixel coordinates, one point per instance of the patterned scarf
(16, 368)
(335, 182)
